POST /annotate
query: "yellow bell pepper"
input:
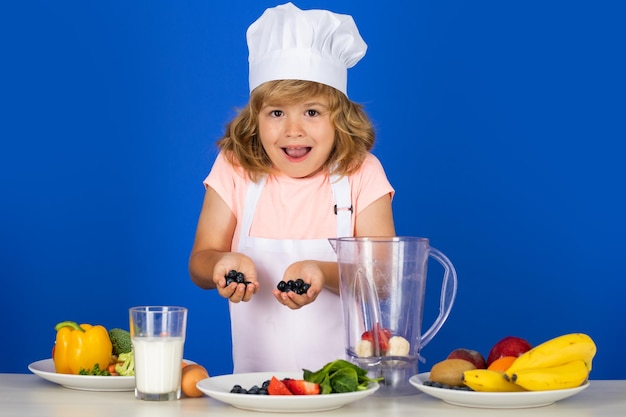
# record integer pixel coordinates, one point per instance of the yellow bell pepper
(81, 347)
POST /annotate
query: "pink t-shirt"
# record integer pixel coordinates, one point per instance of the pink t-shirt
(290, 208)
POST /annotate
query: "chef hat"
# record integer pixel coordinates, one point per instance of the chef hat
(314, 45)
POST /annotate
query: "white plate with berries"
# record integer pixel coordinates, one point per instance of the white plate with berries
(219, 388)
(464, 398)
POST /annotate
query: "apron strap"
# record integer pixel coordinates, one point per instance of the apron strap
(343, 206)
(249, 207)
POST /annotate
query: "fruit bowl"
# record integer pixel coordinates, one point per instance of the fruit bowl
(526, 399)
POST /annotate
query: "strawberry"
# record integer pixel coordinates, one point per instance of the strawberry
(378, 332)
(277, 387)
(302, 387)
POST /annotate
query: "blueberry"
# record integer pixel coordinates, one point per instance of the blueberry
(302, 289)
(298, 286)
(235, 276)
(446, 386)
(238, 389)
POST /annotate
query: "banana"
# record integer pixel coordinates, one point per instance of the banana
(486, 380)
(554, 352)
(569, 375)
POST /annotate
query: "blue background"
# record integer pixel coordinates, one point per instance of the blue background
(500, 123)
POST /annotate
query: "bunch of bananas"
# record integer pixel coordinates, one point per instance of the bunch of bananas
(559, 363)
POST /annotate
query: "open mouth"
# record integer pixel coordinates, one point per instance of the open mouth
(297, 152)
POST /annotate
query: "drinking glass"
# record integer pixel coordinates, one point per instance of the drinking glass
(158, 336)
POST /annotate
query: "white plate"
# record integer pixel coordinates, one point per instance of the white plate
(45, 369)
(526, 399)
(218, 387)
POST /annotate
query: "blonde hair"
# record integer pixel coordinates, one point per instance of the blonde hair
(354, 133)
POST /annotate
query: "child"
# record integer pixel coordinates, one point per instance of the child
(294, 169)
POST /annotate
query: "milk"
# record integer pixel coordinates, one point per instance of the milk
(158, 364)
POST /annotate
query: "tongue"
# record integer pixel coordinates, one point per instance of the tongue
(296, 152)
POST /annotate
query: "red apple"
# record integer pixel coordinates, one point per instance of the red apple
(469, 355)
(509, 346)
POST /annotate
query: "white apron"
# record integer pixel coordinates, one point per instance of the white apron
(268, 336)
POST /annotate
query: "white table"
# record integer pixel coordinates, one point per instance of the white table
(27, 395)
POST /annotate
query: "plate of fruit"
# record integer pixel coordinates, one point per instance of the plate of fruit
(336, 384)
(515, 375)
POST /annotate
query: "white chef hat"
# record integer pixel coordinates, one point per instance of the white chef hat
(314, 45)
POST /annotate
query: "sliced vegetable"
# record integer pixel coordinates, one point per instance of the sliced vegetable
(125, 365)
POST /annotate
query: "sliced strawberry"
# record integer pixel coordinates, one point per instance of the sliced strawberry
(302, 387)
(277, 387)
(378, 333)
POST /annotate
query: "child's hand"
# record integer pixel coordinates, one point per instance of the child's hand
(234, 291)
(311, 273)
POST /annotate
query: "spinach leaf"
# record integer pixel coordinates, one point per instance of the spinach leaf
(339, 376)
(345, 380)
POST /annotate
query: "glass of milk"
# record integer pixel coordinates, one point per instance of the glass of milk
(158, 336)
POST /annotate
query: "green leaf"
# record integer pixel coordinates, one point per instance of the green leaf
(339, 376)
(345, 380)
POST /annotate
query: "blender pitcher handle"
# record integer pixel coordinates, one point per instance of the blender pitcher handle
(448, 293)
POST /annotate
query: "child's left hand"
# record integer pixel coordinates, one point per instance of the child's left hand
(311, 273)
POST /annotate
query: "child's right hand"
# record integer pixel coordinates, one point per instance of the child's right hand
(235, 292)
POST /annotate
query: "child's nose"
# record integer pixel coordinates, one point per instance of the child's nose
(293, 127)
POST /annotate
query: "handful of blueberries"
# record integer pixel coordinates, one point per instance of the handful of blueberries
(298, 286)
(235, 276)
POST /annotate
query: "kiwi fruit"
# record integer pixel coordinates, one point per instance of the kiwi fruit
(450, 371)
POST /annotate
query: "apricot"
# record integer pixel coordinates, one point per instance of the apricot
(191, 375)
(502, 364)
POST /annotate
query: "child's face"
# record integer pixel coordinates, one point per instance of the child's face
(297, 137)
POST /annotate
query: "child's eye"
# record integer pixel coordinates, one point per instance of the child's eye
(276, 113)
(312, 112)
